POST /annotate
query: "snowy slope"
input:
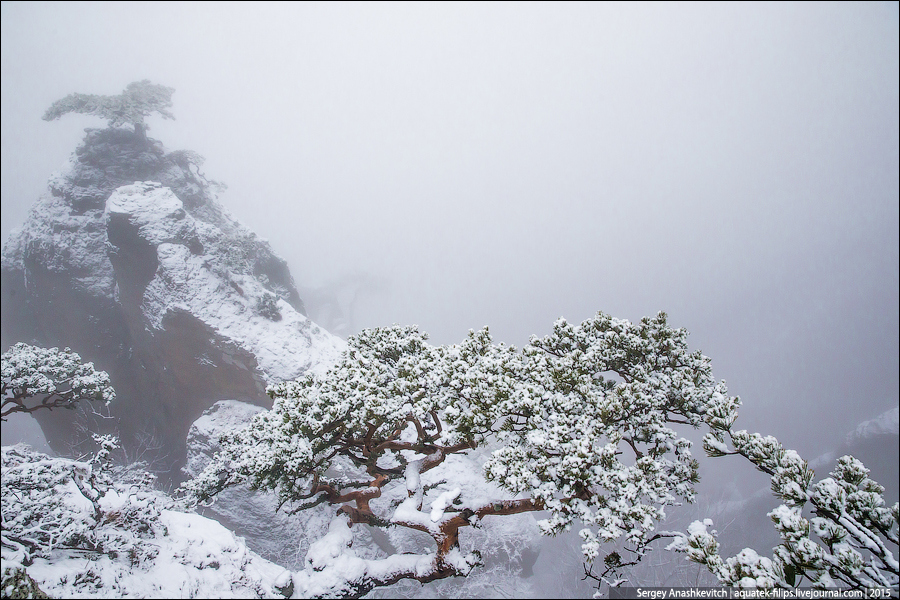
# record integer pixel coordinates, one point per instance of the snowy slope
(220, 295)
(141, 546)
(197, 558)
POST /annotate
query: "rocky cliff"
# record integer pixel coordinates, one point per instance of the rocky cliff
(130, 260)
(275, 534)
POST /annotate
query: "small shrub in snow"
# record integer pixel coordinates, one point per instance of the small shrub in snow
(267, 306)
(57, 503)
(138, 545)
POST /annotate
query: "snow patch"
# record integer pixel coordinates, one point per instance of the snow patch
(887, 423)
(442, 503)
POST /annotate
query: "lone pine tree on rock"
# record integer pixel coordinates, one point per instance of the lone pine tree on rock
(140, 99)
(578, 424)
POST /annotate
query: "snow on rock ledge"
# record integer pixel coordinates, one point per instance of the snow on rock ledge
(155, 210)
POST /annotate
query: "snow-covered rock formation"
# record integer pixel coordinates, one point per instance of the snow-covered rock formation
(130, 260)
(885, 424)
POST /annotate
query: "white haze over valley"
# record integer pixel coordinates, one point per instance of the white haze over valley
(453, 166)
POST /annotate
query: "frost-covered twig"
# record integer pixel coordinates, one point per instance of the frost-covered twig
(849, 539)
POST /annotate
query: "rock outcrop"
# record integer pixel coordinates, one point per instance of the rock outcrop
(130, 260)
(254, 515)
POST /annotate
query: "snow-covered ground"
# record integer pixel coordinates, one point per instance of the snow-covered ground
(196, 558)
(141, 545)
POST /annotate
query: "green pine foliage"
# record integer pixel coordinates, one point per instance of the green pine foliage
(578, 424)
(139, 99)
(835, 532)
(36, 378)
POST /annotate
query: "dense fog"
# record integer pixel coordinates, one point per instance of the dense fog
(461, 165)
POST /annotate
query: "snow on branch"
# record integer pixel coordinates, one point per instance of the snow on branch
(849, 538)
(578, 423)
(39, 378)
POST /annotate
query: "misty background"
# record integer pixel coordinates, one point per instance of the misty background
(461, 165)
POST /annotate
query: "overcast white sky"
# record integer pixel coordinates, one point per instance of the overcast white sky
(507, 164)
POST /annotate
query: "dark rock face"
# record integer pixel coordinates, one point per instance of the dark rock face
(157, 285)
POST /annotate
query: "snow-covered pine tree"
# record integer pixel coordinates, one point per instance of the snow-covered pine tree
(579, 424)
(36, 378)
(139, 99)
